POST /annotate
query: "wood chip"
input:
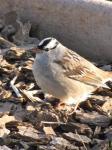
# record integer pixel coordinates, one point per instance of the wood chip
(61, 143)
(79, 127)
(97, 131)
(107, 106)
(93, 119)
(43, 147)
(102, 146)
(49, 131)
(30, 108)
(29, 132)
(25, 131)
(6, 119)
(76, 137)
(3, 131)
(5, 108)
(108, 135)
(4, 148)
(29, 95)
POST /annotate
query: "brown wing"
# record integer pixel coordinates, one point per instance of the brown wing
(76, 67)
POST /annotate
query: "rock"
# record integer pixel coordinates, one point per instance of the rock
(22, 36)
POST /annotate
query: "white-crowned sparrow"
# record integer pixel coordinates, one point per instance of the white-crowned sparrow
(66, 75)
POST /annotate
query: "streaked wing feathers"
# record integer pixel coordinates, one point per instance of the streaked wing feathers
(73, 67)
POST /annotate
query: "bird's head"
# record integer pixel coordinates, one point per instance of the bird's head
(48, 44)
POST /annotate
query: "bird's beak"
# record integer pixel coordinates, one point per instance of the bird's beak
(35, 50)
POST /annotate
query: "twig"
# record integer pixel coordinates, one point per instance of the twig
(39, 92)
(29, 95)
(81, 140)
(6, 43)
(53, 123)
(1, 56)
(12, 82)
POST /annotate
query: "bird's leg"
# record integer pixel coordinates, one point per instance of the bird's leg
(75, 108)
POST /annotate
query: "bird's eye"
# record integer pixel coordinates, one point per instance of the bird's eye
(57, 42)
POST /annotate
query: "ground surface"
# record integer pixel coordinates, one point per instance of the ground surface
(28, 122)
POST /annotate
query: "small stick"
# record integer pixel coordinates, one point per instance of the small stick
(53, 123)
(6, 42)
(1, 56)
(29, 95)
(81, 140)
(12, 82)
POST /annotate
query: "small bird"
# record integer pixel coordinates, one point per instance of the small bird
(66, 75)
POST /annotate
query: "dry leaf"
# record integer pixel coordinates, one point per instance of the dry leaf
(30, 108)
